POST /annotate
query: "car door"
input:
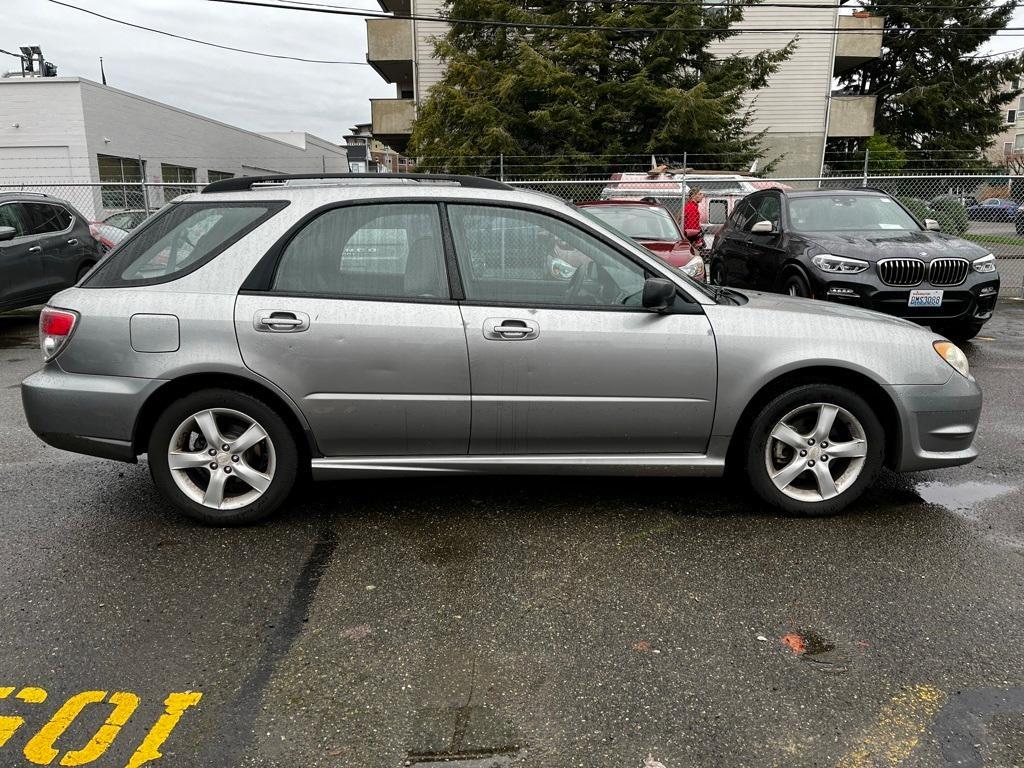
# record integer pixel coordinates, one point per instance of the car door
(358, 327)
(764, 250)
(734, 243)
(59, 251)
(563, 358)
(21, 274)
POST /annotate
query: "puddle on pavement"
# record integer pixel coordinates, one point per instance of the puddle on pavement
(961, 497)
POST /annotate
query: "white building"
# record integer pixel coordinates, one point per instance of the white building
(61, 130)
(797, 109)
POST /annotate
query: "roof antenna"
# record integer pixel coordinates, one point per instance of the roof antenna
(103, 75)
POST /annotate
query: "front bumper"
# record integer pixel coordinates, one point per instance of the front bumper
(972, 301)
(94, 415)
(938, 423)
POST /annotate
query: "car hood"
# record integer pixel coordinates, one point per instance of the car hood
(874, 245)
(815, 308)
(675, 253)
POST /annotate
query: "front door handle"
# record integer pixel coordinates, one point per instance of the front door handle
(510, 329)
(280, 321)
(73, 241)
(36, 249)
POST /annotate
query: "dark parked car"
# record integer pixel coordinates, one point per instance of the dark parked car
(859, 247)
(654, 227)
(993, 209)
(45, 247)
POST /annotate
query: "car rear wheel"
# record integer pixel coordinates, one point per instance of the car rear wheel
(83, 271)
(795, 285)
(814, 449)
(223, 457)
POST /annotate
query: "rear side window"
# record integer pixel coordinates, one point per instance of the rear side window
(374, 251)
(179, 240)
(44, 218)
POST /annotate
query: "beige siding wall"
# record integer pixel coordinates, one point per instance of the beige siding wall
(796, 99)
(428, 68)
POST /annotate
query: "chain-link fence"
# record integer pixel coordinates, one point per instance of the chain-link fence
(983, 209)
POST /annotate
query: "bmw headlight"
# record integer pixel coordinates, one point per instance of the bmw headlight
(953, 355)
(985, 263)
(826, 262)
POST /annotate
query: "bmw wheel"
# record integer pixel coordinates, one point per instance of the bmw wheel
(814, 449)
(795, 285)
(223, 457)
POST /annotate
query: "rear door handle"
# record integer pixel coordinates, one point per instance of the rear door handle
(73, 241)
(280, 321)
(36, 249)
(510, 329)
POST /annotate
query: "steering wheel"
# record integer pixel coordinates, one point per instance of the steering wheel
(575, 288)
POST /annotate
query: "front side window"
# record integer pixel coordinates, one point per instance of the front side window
(770, 210)
(832, 213)
(373, 251)
(179, 240)
(12, 215)
(513, 256)
(42, 219)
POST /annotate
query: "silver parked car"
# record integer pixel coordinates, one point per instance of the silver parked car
(447, 325)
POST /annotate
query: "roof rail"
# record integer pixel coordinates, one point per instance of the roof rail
(243, 183)
(22, 193)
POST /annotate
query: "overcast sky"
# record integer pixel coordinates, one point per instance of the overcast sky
(250, 92)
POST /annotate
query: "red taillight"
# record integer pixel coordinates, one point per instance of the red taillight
(55, 326)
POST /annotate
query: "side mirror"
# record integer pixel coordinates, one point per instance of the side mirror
(932, 224)
(659, 293)
(763, 228)
(7, 233)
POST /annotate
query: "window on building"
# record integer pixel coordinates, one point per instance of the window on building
(1007, 147)
(120, 171)
(1015, 84)
(1011, 116)
(213, 175)
(177, 174)
(1018, 142)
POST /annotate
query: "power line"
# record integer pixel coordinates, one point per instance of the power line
(201, 42)
(311, 7)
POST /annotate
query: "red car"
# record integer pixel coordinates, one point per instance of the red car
(651, 225)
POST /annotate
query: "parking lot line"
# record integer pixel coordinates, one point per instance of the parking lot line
(898, 729)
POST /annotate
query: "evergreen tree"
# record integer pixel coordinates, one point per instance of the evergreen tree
(565, 95)
(938, 100)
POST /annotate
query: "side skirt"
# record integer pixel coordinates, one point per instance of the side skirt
(674, 465)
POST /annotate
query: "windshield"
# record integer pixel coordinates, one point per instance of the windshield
(637, 222)
(841, 213)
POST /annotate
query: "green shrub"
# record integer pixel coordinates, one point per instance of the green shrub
(950, 214)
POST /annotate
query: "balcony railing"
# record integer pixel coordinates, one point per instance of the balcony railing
(859, 41)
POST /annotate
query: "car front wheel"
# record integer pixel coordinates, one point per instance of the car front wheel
(718, 273)
(814, 449)
(795, 285)
(223, 457)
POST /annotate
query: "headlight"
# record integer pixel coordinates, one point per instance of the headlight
(694, 267)
(826, 262)
(985, 263)
(953, 355)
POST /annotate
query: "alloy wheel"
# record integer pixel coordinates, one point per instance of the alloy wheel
(815, 452)
(221, 458)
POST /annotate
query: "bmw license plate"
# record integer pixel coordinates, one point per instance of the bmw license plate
(925, 299)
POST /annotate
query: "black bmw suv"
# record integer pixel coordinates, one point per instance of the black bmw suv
(859, 247)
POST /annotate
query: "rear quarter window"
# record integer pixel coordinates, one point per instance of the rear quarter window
(179, 240)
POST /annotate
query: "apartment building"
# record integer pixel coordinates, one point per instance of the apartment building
(798, 110)
(1007, 149)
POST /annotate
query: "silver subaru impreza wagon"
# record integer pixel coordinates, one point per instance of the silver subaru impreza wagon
(414, 325)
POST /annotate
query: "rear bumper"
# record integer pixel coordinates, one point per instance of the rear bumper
(938, 424)
(94, 415)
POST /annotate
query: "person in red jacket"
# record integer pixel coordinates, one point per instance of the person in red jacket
(691, 218)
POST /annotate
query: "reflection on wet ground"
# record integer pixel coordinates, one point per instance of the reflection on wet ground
(961, 497)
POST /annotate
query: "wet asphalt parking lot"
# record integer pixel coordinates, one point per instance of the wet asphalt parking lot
(514, 622)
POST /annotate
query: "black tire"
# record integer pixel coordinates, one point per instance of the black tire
(285, 456)
(795, 285)
(83, 271)
(717, 273)
(1019, 226)
(961, 332)
(756, 460)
